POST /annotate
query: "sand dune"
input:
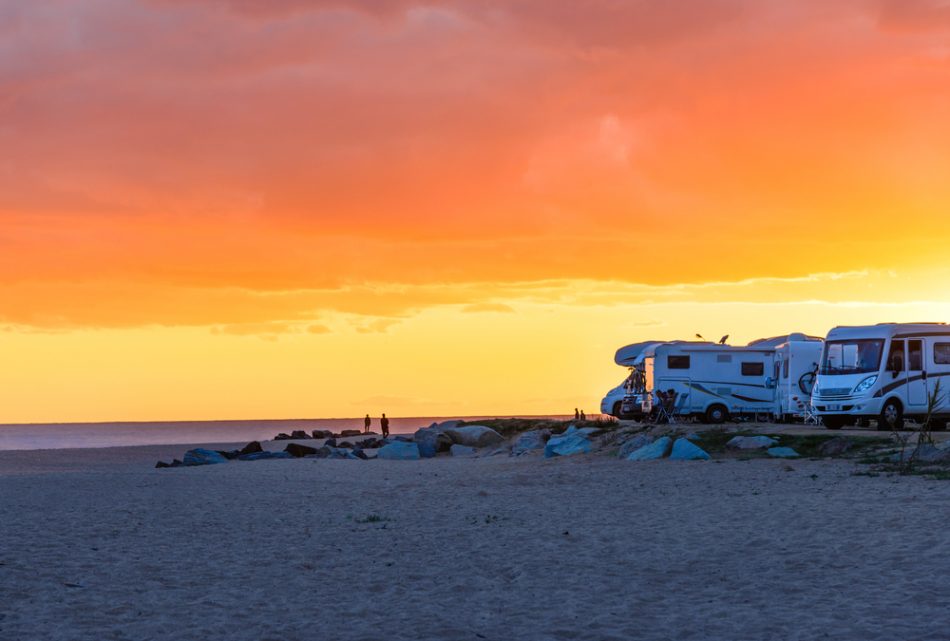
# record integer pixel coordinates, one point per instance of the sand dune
(583, 548)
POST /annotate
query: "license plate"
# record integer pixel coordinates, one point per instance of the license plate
(834, 408)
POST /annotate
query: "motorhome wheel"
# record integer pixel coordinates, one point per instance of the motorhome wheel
(892, 417)
(717, 414)
(833, 422)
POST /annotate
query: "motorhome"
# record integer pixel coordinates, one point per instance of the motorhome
(794, 371)
(889, 372)
(627, 356)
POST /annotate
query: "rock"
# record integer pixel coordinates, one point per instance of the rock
(403, 438)
(685, 450)
(250, 448)
(321, 434)
(161, 464)
(655, 450)
(371, 443)
(590, 432)
(431, 440)
(340, 453)
(399, 451)
(299, 451)
(782, 452)
(262, 456)
(233, 454)
(201, 456)
(836, 446)
(360, 454)
(750, 443)
(529, 441)
(496, 452)
(573, 441)
(350, 433)
(693, 436)
(447, 424)
(927, 453)
(330, 442)
(282, 437)
(345, 444)
(323, 452)
(462, 451)
(632, 445)
(299, 435)
(474, 436)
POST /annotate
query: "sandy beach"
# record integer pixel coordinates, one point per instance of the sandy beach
(97, 544)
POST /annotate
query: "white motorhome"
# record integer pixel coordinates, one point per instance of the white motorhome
(885, 372)
(794, 371)
(614, 402)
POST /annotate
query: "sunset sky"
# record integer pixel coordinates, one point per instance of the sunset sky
(316, 208)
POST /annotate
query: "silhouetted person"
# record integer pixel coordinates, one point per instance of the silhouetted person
(366, 423)
(384, 424)
(583, 416)
(577, 415)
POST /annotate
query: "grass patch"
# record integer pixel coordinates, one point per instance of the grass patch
(807, 445)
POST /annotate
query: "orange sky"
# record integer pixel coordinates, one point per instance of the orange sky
(249, 208)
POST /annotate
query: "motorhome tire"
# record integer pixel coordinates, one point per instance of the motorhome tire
(833, 422)
(717, 414)
(616, 409)
(892, 417)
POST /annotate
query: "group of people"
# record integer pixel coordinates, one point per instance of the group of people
(579, 415)
(383, 424)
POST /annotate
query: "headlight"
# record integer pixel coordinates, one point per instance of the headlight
(866, 384)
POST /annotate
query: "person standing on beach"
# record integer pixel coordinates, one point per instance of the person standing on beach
(577, 415)
(384, 424)
(366, 423)
(583, 416)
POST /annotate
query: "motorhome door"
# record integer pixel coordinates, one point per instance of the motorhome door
(916, 375)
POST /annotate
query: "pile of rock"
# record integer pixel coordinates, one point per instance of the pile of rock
(644, 447)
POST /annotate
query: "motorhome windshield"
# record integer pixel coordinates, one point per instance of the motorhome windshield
(852, 356)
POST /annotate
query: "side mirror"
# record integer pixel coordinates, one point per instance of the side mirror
(895, 374)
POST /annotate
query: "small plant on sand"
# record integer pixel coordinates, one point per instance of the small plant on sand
(372, 518)
(907, 462)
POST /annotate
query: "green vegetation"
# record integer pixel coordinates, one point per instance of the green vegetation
(808, 445)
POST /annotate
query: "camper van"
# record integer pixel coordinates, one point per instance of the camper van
(618, 401)
(885, 372)
(794, 372)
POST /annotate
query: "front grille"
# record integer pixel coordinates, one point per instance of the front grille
(832, 392)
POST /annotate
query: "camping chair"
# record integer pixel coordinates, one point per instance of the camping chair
(808, 415)
(666, 408)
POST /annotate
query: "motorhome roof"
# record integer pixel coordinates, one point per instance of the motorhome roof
(690, 346)
(888, 330)
(628, 355)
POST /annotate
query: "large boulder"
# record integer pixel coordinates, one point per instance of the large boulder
(299, 435)
(474, 436)
(399, 451)
(263, 456)
(750, 443)
(836, 446)
(782, 452)
(322, 434)
(633, 444)
(431, 440)
(250, 448)
(350, 433)
(463, 451)
(299, 451)
(530, 441)
(655, 450)
(571, 442)
(685, 450)
(201, 456)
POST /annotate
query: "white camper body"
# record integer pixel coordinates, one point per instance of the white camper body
(714, 382)
(885, 372)
(618, 402)
(795, 368)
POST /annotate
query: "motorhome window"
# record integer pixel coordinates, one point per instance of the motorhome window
(915, 356)
(677, 362)
(852, 356)
(784, 369)
(941, 353)
(753, 369)
(895, 357)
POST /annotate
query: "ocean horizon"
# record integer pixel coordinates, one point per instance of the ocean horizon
(46, 436)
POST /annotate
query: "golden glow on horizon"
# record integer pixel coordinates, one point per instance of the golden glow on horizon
(448, 207)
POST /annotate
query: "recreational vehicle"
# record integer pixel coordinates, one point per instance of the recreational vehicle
(887, 372)
(619, 397)
(794, 372)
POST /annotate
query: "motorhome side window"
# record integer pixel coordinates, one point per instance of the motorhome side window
(785, 369)
(895, 358)
(677, 362)
(753, 369)
(915, 355)
(941, 353)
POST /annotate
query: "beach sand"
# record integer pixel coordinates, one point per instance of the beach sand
(96, 544)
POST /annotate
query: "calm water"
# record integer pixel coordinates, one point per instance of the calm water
(42, 436)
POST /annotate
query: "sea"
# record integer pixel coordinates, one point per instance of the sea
(45, 436)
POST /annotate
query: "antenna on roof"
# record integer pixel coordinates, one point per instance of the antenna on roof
(700, 337)
(722, 341)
